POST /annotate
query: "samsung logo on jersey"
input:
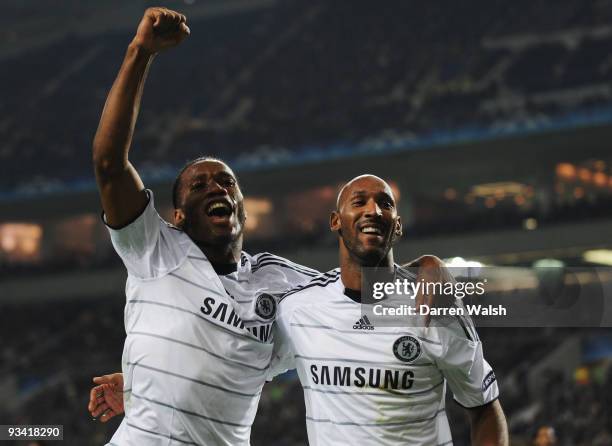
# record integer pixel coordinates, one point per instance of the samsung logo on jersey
(361, 377)
(222, 312)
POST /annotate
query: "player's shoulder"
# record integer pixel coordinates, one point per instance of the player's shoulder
(456, 328)
(405, 273)
(265, 261)
(313, 286)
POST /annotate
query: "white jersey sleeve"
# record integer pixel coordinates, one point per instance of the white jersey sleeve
(462, 363)
(148, 246)
(283, 357)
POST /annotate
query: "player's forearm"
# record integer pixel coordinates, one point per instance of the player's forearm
(114, 135)
(489, 426)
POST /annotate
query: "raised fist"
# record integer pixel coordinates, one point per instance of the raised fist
(160, 28)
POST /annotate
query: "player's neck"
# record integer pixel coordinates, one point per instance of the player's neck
(223, 255)
(352, 269)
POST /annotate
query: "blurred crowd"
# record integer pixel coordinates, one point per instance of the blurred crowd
(580, 411)
(267, 83)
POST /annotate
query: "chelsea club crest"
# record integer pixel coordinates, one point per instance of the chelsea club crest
(265, 306)
(407, 348)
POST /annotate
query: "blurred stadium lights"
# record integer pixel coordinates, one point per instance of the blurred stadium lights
(566, 171)
(600, 179)
(548, 263)
(585, 175)
(450, 194)
(256, 209)
(461, 267)
(499, 190)
(396, 190)
(600, 256)
(20, 241)
(76, 235)
(530, 224)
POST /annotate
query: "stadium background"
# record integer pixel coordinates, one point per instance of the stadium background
(493, 120)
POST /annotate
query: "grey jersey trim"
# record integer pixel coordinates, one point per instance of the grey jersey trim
(193, 380)
(196, 284)
(189, 412)
(382, 392)
(359, 361)
(198, 258)
(197, 347)
(157, 434)
(184, 310)
(284, 265)
(265, 257)
(320, 281)
(394, 423)
(370, 333)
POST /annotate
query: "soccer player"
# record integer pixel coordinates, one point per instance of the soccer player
(199, 310)
(377, 385)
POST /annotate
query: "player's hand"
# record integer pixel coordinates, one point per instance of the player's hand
(106, 398)
(159, 29)
(431, 269)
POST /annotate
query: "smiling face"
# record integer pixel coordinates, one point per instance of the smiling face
(366, 220)
(210, 207)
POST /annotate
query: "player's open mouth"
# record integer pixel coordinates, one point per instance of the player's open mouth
(219, 209)
(372, 229)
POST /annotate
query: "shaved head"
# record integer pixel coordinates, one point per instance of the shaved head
(350, 186)
(366, 221)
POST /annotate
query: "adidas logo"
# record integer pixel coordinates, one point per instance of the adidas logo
(363, 324)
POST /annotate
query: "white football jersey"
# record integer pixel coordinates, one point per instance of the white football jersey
(198, 344)
(372, 385)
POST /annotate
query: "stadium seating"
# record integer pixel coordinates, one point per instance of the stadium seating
(307, 74)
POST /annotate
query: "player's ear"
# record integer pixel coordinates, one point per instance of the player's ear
(334, 221)
(398, 226)
(179, 218)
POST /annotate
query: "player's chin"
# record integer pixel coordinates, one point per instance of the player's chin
(220, 237)
(224, 234)
(372, 255)
(372, 242)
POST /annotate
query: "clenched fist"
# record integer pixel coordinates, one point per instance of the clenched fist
(160, 28)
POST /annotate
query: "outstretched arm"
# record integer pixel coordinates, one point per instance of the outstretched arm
(121, 189)
(488, 425)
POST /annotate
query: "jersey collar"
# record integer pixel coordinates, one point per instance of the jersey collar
(355, 295)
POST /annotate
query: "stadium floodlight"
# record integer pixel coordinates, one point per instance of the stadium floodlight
(461, 267)
(600, 256)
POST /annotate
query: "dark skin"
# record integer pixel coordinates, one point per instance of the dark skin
(122, 192)
(218, 236)
(367, 224)
(121, 189)
(366, 202)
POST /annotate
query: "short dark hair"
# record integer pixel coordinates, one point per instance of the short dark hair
(176, 187)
